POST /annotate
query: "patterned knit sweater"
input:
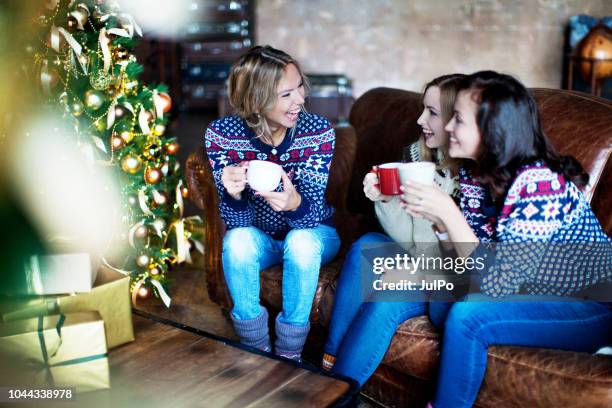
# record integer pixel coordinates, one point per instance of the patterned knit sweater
(305, 154)
(549, 241)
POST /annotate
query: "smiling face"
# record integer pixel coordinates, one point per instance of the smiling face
(465, 137)
(290, 98)
(431, 121)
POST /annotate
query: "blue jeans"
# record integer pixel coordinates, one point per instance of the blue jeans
(248, 250)
(521, 320)
(360, 331)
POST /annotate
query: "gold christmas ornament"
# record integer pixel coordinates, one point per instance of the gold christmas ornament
(77, 108)
(153, 175)
(159, 130)
(154, 270)
(167, 105)
(131, 163)
(100, 80)
(119, 111)
(78, 18)
(172, 148)
(141, 232)
(142, 260)
(143, 292)
(184, 192)
(116, 142)
(121, 55)
(94, 100)
(127, 136)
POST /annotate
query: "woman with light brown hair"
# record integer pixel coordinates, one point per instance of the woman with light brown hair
(292, 224)
(363, 323)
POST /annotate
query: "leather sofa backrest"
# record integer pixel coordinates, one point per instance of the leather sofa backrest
(384, 120)
(580, 125)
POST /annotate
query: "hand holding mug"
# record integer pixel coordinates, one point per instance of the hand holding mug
(287, 200)
(427, 201)
(370, 187)
(234, 179)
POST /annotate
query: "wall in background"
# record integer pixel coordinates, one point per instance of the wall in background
(405, 43)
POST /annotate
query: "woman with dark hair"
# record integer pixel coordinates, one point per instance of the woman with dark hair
(291, 225)
(519, 193)
(363, 325)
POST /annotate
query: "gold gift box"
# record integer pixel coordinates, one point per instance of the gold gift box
(110, 296)
(55, 351)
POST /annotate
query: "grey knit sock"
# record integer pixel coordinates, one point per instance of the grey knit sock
(290, 339)
(254, 332)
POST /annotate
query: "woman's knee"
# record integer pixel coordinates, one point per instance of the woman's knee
(394, 313)
(467, 318)
(303, 244)
(241, 244)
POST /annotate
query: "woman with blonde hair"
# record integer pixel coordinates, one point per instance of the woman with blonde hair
(291, 225)
(363, 325)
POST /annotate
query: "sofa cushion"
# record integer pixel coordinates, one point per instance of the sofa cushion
(415, 348)
(271, 287)
(520, 376)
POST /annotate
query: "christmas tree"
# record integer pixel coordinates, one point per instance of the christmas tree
(86, 68)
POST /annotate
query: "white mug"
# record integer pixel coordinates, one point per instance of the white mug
(263, 176)
(420, 172)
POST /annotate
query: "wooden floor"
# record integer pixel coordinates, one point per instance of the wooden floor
(169, 367)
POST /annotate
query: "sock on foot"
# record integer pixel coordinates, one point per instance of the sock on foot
(328, 362)
(290, 339)
(254, 332)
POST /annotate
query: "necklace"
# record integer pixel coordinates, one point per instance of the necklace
(275, 145)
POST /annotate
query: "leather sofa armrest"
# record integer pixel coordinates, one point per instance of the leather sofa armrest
(203, 192)
(341, 168)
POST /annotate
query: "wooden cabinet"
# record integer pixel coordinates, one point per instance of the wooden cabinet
(219, 31)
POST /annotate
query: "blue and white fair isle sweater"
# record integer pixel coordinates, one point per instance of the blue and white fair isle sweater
(548, 240)
(305, 154)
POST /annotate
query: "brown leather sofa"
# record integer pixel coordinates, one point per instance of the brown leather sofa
(382, 121)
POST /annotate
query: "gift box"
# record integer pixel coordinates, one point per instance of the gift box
(110, 296)
(58, 274)
(55, 351)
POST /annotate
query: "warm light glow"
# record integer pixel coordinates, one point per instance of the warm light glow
(74, 202)
(158, 18)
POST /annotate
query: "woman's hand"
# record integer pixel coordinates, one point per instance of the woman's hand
(430, 202)
(234, 179)
(370, 187)
(287, 200)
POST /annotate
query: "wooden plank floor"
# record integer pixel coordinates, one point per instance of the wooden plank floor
(169, 367)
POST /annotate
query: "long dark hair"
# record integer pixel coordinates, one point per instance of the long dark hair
(511, 131)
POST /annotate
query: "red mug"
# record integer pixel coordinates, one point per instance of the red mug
(388, 178)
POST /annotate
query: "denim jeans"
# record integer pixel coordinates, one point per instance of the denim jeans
(360, 331)
(521, 320)
(248, 250)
